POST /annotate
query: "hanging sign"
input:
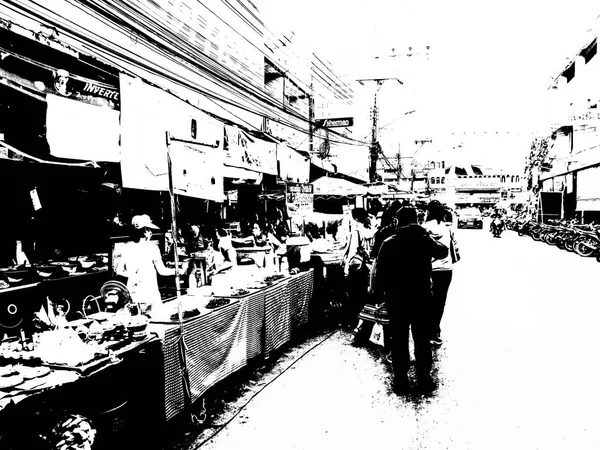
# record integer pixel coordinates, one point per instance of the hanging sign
(248, 152)
(335, 123)
(299, 201)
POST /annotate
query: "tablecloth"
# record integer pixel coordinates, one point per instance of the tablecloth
(223, 341)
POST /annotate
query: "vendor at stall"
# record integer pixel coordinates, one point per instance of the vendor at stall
(140, 263)
(256, 238)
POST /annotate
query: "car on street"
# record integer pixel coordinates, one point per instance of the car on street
(470, 218)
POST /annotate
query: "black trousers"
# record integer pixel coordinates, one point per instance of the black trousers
(416, 319)
(440, 281)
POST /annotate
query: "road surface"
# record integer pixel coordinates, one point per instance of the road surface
(518, 368)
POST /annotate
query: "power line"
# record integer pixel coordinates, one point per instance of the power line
(118, 55)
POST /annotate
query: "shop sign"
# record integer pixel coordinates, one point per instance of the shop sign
(62, 83)
(299, 201)
(583, 117)
(301, 188)
(335, 123)
(85, 90)
(248, 152)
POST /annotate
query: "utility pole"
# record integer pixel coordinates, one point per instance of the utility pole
(399, 165)
(311, 113)
(375, 148)
(374, 151)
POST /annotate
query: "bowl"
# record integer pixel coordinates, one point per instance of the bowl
(15, 276)
(86, 263)
(69, 267)
(48, 271)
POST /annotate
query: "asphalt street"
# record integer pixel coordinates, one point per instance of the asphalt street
(518, 368)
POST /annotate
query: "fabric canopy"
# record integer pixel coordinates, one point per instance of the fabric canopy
(337, 186)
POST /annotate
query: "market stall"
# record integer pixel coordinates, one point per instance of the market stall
(228, 324)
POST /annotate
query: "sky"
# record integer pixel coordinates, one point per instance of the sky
(488, 67)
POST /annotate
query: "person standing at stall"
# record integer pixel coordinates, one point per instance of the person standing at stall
(441, 274)
(403, 280)
(140, 263)
(357, 264)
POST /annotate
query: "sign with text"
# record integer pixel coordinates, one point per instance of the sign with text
(248, 152)
(335, 123)
(299, 201)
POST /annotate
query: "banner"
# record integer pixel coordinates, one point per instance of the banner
(248, 152)
(292, 165)
(147, 114)
(77, 130)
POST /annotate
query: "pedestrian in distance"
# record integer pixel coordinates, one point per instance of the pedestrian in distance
(403, 280)
(441, 274)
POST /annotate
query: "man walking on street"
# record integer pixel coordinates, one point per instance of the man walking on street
(403, 279)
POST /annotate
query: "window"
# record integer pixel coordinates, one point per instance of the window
(437, 180)
(443, 164)
(432, 180)
(503, 179)
(443, 180)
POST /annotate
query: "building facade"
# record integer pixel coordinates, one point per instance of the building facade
(566, 161)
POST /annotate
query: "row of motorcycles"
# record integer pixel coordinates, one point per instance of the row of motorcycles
(565, 234)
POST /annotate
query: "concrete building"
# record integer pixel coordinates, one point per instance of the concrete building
(570, 165)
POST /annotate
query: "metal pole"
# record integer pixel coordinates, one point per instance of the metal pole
(374, 149)
(399, 164)
(311, 114)
(187, 397)
(173, 217)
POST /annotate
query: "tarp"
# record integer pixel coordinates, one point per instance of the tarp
(382, 188)
(337, 187)
(248, 152)
(78, 130)
(147, 114)
(292, 165)
(351, 160)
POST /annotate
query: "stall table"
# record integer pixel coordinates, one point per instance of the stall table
(223, 340)
(59, 376)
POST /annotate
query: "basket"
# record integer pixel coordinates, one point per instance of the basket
(374, 313)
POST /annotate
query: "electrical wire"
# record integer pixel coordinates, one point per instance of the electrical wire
(150, 66)
(222, 427)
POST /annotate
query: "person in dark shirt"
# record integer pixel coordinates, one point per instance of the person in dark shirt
(403, 280)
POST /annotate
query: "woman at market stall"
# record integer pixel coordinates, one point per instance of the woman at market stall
(140, 263)
(357, 263)
(256, 238)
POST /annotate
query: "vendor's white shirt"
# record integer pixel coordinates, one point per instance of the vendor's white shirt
(139, 264)
(440, 232)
